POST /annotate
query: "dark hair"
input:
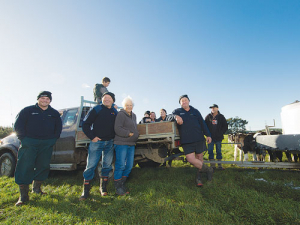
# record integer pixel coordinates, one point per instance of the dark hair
(105, 80)
(164, 110)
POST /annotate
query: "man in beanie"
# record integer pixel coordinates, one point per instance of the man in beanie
(37, 127)
(217, 126)
(98, 125)
(192, 129)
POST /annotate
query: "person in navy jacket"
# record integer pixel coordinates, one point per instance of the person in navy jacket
(98, 126)
(37, 127)
(192, 129)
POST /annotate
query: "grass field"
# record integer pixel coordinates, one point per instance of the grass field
(163, 196)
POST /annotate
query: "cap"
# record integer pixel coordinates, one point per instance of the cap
(214, 106)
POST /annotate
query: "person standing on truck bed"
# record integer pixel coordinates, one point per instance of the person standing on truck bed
(37, 127)
(126, 136)
(98, 125)
(217, 126)
(192, 129)
(100, 89)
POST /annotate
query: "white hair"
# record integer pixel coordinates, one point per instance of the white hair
(127, 99)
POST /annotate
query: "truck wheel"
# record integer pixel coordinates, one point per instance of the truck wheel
(149, 164)
(7, 164)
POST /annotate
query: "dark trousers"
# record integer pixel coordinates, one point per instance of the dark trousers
(34, 158)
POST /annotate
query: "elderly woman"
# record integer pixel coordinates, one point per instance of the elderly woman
(125, 139)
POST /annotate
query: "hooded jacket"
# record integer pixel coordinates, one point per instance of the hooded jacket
(124, 125)
(221, 126)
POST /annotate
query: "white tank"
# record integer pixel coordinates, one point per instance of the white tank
(290, 118)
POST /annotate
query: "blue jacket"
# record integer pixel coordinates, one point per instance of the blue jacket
(33, 122)
(193, 128)
(99, 122)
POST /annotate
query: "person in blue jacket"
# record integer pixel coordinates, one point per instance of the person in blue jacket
(37, 127)
(192, 129)
(98, 125)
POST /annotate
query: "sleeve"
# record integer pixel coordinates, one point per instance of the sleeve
(224, 125)
(97, 91)
(203, 125)
(58, 126)
(120, 130)
(88, 122)
(170, 117)
(20, 124)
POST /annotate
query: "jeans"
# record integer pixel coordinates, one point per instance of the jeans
(218, 149)
(124, 160)
(96, 149)
(34, 158)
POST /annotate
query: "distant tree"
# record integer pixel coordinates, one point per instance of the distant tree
(236, 125)
(5, 131)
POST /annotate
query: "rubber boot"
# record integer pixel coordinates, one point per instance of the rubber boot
(220, 165)
(123, 183)
(119, 187)
(103, 186)
(86, 190)
(36, 187)
(212, 165)
(198, 179)
(24, 189)
(208, 170)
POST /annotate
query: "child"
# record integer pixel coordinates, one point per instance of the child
(100, 89)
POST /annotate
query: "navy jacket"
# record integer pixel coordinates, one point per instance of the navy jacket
(33, 122)
(99, 122)
(193, 128)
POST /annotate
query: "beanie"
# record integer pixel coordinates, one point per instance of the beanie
(112, 95)
(45, 94)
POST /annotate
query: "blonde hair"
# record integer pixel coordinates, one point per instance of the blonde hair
(125, 100)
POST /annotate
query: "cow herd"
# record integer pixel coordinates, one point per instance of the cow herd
(245, 144)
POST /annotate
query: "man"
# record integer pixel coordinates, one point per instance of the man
(100, 89)
(217, 126)
(37, 127)
(98, 125)
(192, 129)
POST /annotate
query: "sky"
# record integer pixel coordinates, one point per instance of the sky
(242, 55)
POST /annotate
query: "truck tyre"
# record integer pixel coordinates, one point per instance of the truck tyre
(149, 164)
(7, 164)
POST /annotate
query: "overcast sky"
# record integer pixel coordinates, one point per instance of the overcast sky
(242, 55)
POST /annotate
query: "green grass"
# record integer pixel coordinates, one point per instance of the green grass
(162, 196)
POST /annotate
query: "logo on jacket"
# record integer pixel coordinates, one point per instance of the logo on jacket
(34, 113)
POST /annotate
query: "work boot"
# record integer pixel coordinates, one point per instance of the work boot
(208, 170)
(103, 186)
(212, 165)
(24, 188)
(198, 179)
(119, 187)
(86, 190)
(124, 178)
(220, 165)
(36, 187)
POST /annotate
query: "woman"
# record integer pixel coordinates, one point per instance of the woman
(163, 115)
(125, 139)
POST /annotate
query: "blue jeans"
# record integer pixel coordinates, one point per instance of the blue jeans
(96, 149)
(218, 149)
(124, 160)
